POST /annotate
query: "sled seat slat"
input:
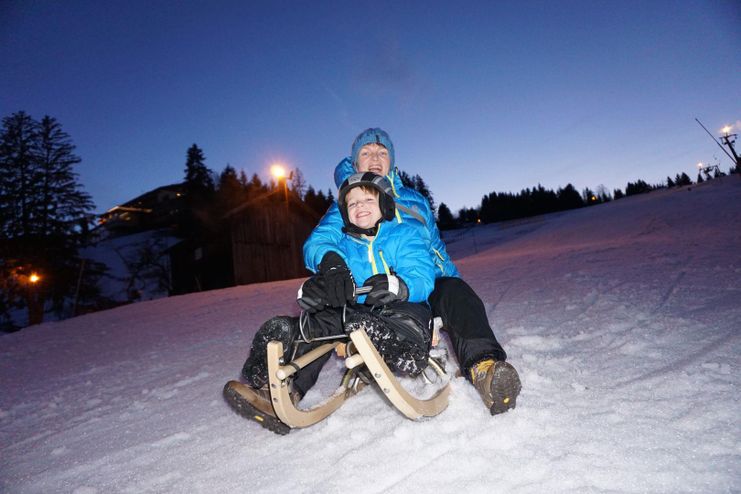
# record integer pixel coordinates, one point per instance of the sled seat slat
(286, 371)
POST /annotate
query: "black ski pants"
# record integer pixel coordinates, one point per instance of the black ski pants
(397, 316)
(465, 320)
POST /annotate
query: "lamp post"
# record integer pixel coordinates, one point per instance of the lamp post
(33, 301)
(279, 172)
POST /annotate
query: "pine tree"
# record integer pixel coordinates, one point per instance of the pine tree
(568, 198)
(230, 192)
(417, 183)
(198, 177)
(445, 218)
(19, 177)
(199, 193)
(298, 183)
(44, 213)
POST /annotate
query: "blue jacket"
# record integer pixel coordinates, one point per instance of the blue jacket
(411, 207)
(401, 248)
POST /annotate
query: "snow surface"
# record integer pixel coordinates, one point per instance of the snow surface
(623, 320)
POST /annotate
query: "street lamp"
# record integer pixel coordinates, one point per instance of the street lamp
(34, 278)
(279, 172)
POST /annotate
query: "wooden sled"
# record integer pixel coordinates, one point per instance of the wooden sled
(363, 353)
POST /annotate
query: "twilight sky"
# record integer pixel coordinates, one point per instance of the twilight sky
(477, 96)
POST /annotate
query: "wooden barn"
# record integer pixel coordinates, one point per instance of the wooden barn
(261, 240)
(267, 239)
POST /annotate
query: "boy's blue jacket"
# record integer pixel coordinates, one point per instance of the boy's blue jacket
(412, 207)
(400, 248)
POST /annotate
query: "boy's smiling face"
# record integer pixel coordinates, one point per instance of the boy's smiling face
(363, 209)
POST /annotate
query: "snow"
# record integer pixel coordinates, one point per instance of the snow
(623, 320)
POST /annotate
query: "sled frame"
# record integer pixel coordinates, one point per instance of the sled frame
(279, 379)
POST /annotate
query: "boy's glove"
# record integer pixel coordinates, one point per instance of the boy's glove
(339, 283)
(386, 289)
(312, 294)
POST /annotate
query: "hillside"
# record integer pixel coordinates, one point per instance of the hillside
(623, 320)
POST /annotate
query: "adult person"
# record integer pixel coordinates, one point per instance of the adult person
(481, 358)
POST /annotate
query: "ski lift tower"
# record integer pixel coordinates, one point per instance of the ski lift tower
(728, 139)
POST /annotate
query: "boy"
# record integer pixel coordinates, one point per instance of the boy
(480, 356)
(393, 259)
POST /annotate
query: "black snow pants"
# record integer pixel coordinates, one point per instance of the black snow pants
(409, 320)
(465, 320)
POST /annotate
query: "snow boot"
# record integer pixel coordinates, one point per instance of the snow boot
(498, 384)
(255, 404)
(400, 344)
(280, 328)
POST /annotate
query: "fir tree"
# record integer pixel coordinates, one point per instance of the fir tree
(445, 220)
(298, 183)
(198, 178)
(44, 216)
(230, 192)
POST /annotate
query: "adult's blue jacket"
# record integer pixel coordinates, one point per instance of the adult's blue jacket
(400, 248)
(411, 207)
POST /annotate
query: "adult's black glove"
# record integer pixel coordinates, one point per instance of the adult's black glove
(386, 288)
(312, 294)
(340, 285)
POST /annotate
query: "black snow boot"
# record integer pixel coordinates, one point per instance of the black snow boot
(400, 341)
(280, 328)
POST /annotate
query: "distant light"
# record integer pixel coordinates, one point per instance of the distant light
(34, 278)
(278, 171)
(727, 129)
(594, 198)
(700, 165)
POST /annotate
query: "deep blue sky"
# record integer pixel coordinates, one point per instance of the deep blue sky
(478, 96)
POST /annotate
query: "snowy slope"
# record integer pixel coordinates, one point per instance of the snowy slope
(623, 320)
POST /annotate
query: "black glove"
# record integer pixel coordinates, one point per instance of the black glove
(312, 294)
(386, 289)
(339, 283)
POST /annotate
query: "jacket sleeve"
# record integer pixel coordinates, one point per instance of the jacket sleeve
(412, 262)
(324, 238)
(442, 260)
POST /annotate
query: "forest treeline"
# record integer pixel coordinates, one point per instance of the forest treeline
(503, 206)
(46, 217)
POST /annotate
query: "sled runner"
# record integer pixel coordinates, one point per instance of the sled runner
(363, 363)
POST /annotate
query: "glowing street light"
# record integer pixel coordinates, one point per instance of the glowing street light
(700, 165)
(726, 130)
(278, 171)
(34, 278)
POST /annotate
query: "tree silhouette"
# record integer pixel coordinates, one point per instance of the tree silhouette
(44, 216)
(445, 220)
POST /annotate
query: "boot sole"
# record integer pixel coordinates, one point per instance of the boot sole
(505, 388)
(244, 408)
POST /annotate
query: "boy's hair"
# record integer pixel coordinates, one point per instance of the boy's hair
(375, 184)
(365, 188)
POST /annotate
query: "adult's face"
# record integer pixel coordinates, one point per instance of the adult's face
(374, 158)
